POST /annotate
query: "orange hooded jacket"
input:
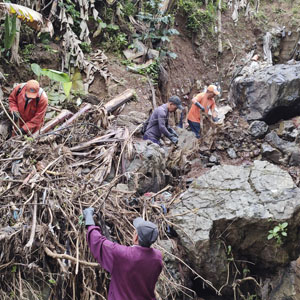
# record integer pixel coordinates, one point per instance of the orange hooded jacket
(34, 113)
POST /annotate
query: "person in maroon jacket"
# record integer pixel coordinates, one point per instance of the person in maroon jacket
(135, 269)
(28, 104)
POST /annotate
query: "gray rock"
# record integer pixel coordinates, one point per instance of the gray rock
(287, 130)
(163, 288)
(265, 89)
(271, 153)
(258, 129)
(290, 149)
(231, 153)
(146, 172)
(235, 203)
(285, 285)
(132, 120)
(295, 158)
(214, 159)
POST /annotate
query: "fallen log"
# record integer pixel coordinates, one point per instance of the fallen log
(119, 100)
(81, 112)
(97, 140)
(65, 114)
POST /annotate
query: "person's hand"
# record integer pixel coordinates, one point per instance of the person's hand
(88, 216)
(174, 139)
(215, 119)
(23, 131)
(173, 132)
(16, 115)
(185, 125)
(200, 106)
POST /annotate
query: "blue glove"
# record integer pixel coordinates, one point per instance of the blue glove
(200, 106)
(172, 131)
(88, 216)
(174, 139)
(215, 119)
(16, 115)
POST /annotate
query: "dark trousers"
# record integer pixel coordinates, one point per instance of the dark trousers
(195, 126)
(145, 137)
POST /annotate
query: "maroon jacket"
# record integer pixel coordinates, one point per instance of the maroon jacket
(134, 270)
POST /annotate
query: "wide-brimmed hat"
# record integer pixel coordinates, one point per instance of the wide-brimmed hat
(212, 88)
(147, 231)
(32, 89)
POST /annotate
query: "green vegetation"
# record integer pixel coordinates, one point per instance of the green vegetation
(10, 31)
(74, 12)
(85, 47)
(198, 18)
(159, 28)
(70, 84)
(278, 232)
(27, 50)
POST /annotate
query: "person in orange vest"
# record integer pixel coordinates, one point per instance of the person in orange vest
(28, 104)
(202, 102)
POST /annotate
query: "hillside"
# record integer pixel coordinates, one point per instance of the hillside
(105, 65)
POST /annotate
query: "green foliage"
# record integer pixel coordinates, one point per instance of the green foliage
(152, 71)
(278, 232)
(85, 47)
(158, 31)
(14, 269)
(115, 40)
(52, 281)
(27, 50)
(10, 30)
(128, 9)
(198, 18)
(74, 12)
(67, 82)
(81, 220)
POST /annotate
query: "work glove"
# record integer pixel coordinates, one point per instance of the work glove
(23, 131)
(88, 216)
(172, 131)
(174, 139)
(16, 115)
(215, 119)
(200, 106)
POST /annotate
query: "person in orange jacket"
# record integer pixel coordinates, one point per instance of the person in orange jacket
(28, 104)
(205, 102)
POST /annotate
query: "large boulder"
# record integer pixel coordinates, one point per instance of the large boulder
(273, 87)
(236, 206)
(146, 172)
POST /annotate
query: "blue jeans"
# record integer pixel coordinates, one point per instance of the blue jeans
(195, 126)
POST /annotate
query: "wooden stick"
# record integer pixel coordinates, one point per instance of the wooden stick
(81, 112)
(7, 114)
(33, 227)
(69, 257)
(119, 100)
(91, 142)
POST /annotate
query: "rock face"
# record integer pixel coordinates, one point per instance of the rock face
(236, 206)
(273, 87)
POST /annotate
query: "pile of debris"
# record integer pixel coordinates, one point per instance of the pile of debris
(46, 182)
